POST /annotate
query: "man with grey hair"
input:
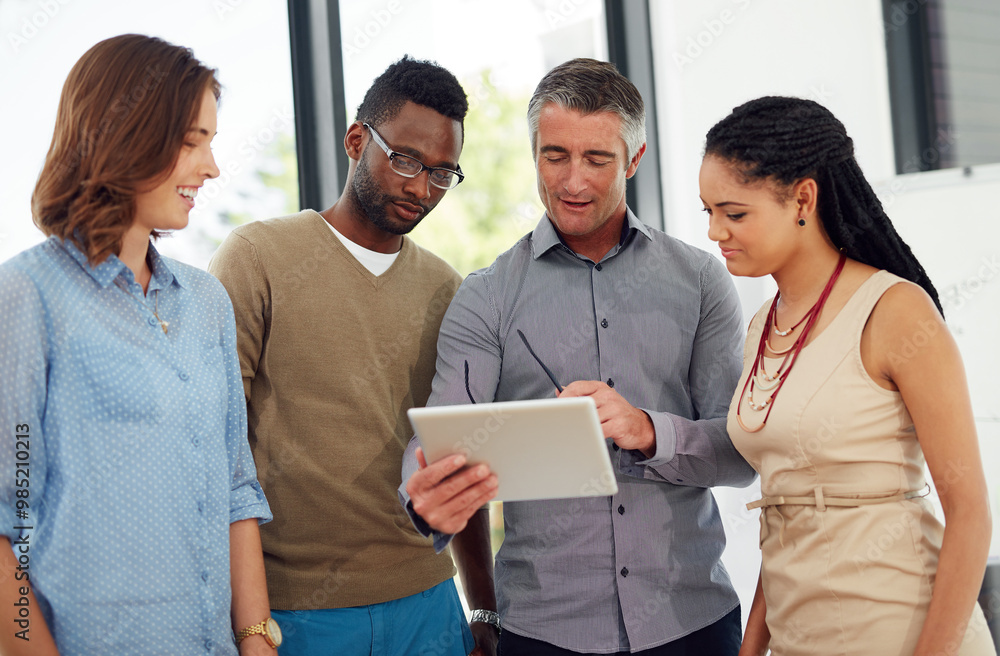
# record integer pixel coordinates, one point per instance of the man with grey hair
(647, 326)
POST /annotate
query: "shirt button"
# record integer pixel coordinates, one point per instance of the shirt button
(598, 267)
(624, 571)
(152, 321)
(611, 383)
(614, 446)
(604, 323)
(183, 375)
(204, 576)
(621, 510)
(196, 441)
(208, 645)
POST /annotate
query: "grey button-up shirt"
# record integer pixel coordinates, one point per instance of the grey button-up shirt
(659, 321)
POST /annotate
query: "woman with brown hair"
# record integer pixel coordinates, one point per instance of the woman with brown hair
(129, 501)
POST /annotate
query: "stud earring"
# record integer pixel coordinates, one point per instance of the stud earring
(802, 222)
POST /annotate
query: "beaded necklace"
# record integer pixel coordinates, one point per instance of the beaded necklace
(758, 377)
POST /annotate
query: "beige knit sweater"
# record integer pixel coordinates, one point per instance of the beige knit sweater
(332, 357)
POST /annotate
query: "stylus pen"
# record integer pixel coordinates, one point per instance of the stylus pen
(548, 372)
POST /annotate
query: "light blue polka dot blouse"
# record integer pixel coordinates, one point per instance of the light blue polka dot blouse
(123, 450)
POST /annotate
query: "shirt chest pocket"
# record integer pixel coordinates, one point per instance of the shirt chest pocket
(211, 356)
(206, 374)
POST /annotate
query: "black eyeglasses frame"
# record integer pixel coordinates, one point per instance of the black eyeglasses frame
(394, 156)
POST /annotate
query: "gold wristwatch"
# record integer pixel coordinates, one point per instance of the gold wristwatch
(268, 628)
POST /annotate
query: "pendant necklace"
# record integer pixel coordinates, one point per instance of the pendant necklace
(156, 304)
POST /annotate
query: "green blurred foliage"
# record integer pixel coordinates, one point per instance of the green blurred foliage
(274, 184)
(497, 203)
(283, 170)
(496, 526)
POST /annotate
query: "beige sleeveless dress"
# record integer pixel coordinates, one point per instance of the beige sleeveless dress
(849, 545)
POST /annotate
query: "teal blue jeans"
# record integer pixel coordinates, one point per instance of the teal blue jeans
(429, 623)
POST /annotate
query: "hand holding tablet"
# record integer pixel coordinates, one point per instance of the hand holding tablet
(544, 449)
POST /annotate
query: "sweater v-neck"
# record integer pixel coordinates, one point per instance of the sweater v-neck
(375, 281)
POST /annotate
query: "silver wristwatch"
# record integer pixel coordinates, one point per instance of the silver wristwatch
(488, 616)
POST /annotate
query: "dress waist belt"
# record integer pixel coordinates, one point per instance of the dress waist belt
(821, 501)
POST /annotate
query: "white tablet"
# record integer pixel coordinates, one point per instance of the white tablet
(545, 449)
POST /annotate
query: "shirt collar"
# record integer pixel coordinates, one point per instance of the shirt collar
(105, 273)
(544, 237)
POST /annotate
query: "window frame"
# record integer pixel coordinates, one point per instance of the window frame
(911, 87)
(318, 92)
(321, 112)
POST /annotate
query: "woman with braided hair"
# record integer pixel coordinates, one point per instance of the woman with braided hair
(851, 382)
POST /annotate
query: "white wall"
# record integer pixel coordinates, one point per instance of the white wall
(952, 222)
(711, 56)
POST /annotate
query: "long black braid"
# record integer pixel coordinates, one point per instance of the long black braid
(790, 139)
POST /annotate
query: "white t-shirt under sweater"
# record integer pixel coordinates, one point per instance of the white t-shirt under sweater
(377, 263)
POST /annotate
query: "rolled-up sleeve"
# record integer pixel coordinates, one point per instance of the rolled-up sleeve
(246, 498)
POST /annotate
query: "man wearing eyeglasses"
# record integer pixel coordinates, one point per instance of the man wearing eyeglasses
(337, 317)
(647, 326)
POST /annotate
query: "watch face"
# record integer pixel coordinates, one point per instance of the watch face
(273, 631)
